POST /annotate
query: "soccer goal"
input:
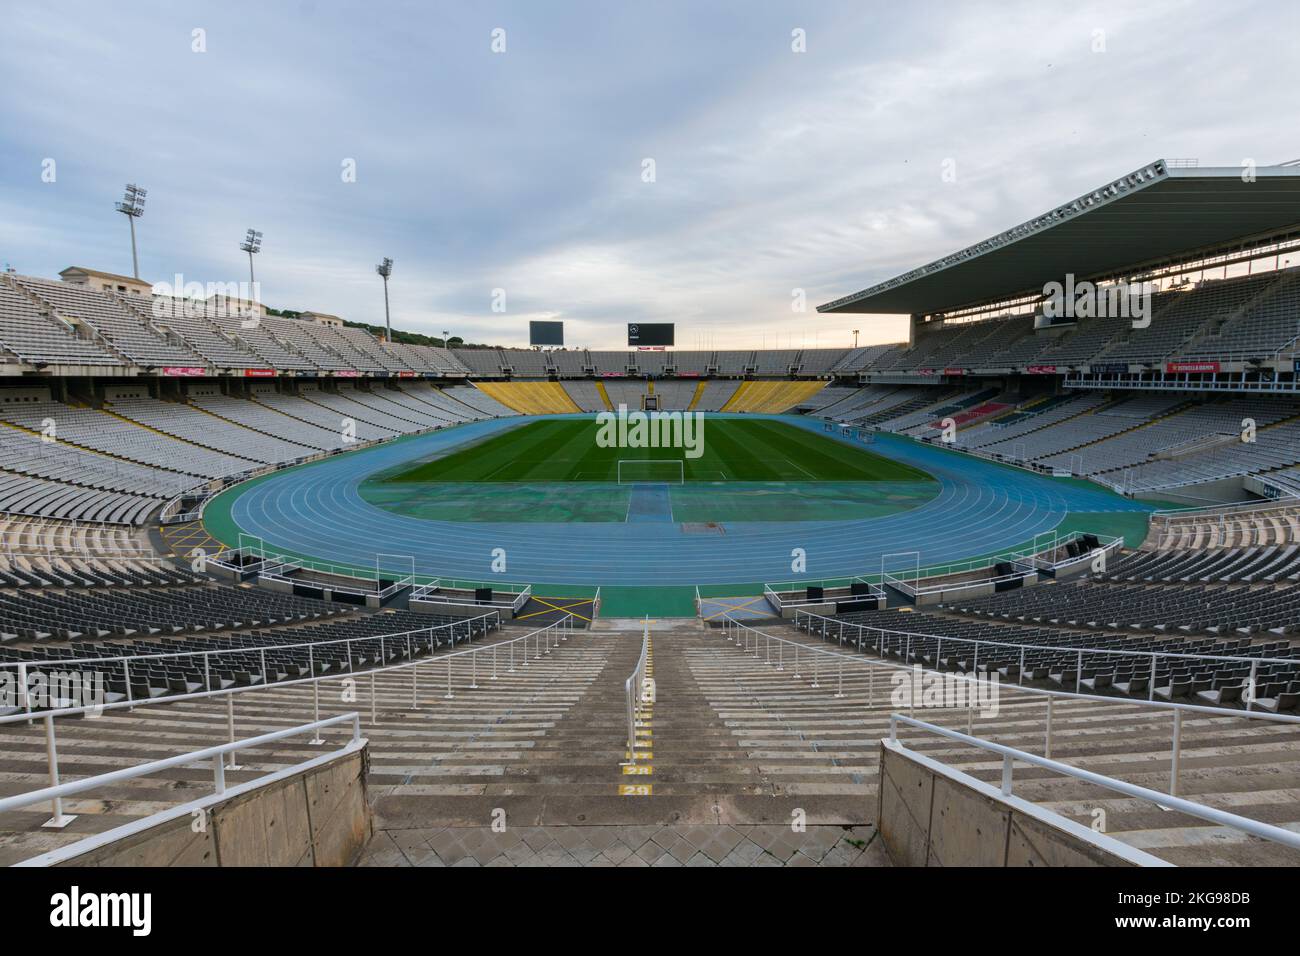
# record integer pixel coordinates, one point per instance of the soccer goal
(657, 470)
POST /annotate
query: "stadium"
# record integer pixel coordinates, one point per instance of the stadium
(1019, 589)
(224, 513)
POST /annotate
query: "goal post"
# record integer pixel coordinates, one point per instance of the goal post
(651, 471)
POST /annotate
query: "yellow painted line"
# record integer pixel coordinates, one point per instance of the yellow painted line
(730, 607)
(554, 607)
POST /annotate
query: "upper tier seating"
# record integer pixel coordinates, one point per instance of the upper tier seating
(37, 338)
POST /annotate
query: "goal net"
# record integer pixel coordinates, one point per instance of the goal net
(659, 471)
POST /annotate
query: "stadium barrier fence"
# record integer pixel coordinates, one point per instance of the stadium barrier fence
(746, 636)
(900, 643)
(58, 790)
(1010, 755)
(544, 639)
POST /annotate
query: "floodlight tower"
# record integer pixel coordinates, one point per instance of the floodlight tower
(252, 244)
(385, 269)
(132, 206)
(446, 340)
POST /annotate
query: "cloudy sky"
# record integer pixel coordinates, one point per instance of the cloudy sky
(526, 170)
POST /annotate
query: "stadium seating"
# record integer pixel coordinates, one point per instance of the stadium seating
(130, 336)
(772, 397)
(530, 398)
(38, 338)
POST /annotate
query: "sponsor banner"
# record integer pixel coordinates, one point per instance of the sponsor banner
(1041, 369)
(613, 374)
(188, 371)
(1110, 368)
(1191, 366)
(697, 374)
(954, 371)
(346, 373)
(651, 348)
(406, 375)
(925, 371)
(259, 373)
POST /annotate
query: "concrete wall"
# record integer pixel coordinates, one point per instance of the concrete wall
(315, 817)
(931, 815)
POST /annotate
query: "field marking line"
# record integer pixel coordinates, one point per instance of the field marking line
(555, 607)
(729, 607)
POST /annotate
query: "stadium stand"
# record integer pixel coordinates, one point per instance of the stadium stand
(712, 395)
(568, 363)
(734, 363)
(587, 395)
(133, 338)
(480, 400)
(773, 397)
(39, 338)
(530, 398)
(482, 362)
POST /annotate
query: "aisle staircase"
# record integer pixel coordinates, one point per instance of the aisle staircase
(752, 757)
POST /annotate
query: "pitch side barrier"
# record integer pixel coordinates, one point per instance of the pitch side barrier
(830, 666)
(253, 558)
(1050, 558)
(544, 640)
(907, 645)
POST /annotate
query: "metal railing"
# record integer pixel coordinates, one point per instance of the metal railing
(56, 791)
(1265, 831)
(551, 635)
(633, 692)
(489, 622)
(746, 637)
(903, 643)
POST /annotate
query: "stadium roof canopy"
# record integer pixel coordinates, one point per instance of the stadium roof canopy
(1162, 214)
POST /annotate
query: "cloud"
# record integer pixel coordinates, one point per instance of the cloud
(775, 171)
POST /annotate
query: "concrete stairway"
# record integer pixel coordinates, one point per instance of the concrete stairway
(423, 744)
(741, 745)
(1244, 766)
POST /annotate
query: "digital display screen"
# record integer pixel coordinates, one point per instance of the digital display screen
(654, 333)
(545, 333)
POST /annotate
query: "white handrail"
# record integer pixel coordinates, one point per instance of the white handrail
(58, 791)
(1265, 831)
(1237, 659)
(732, 627)
(563, 625)
(632, 692)
(552, 630)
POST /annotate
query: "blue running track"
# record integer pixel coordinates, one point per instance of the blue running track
(317, 510)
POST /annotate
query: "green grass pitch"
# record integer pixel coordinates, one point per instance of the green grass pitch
(733, 450)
